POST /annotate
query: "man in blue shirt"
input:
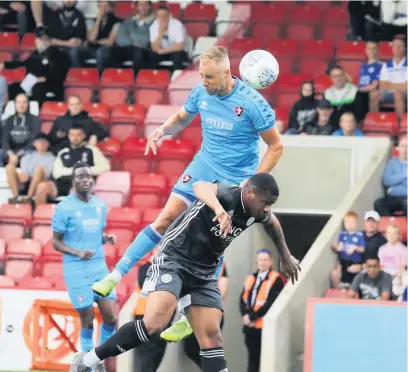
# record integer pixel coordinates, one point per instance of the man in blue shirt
(395, 179)
(78, 223)
(348, 126)
(234, 117)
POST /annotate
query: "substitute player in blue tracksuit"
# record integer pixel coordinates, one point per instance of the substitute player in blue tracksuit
(77, 224)
(234, 117)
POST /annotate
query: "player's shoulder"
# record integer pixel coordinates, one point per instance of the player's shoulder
(67, 203)
(250, 98)
(359, 234)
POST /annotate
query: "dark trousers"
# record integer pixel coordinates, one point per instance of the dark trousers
(390, 204)
(253, 341)
(39, 92)
(139, 56)
(102, 54)
(176, 57)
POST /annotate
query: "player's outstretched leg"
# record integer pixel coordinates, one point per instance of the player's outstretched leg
(147, 239)
(159, 310)
(182, 329)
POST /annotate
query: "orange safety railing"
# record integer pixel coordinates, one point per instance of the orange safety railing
(52, 333)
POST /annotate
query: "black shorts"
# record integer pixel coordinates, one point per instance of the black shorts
(166, 274)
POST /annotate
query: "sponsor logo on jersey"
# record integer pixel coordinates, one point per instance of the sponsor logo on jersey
(219, 124)
(250, 221)
(231, 213)
(186, 178)
(234, 232)
(239, 111)
(166, 278)
(204, 105)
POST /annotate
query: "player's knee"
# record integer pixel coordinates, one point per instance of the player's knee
(42, 188)
(110, 319)
(211, 338)
(155, 324)
(87, 322)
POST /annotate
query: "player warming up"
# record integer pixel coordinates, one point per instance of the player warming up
(233, 116)
(186, 263)
(77, 225)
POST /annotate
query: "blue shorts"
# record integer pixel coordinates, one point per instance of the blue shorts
(79, 284)
(198, 170)
(388, 97)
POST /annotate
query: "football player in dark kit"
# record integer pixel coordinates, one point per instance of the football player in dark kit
(186, 264)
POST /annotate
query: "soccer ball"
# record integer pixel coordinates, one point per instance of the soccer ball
(259, 69)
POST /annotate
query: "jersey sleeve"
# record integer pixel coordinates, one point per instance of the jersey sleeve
(262, 115)
(224, 195)
(340, 238)
(384, 73)
(191, 104)
(59, 219)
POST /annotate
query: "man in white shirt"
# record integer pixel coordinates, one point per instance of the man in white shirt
(393, 79)
(167, 39)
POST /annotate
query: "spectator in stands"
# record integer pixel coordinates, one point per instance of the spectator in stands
(323, 123)
(364, 19)
(49, 65)
(132, 42)
(348, 126)
(67, 29)
(393, 254)
(35, 167)
(372, 283)
(369, 78)
(260, 291)
(304, 110)
(374, 239)
(78, 150)
(102, 36)
(19, 131)
(342, 93)
(393, 80)
(3, 94)
(394, 19)
(13, 12)
(350, 248)
(168, 38)
(395, 180)
(75, 115)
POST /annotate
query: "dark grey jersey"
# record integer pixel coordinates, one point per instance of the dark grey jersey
(195, 241)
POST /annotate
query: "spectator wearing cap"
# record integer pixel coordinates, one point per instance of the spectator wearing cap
(372, 283)
(323, 123)
(168, 39)
(132, 42)
(348, 126)
(393, 80)
(304, 110)
(19, 131)
(395, 180)
(35, 167)
(101, 36)
(260, 291)
(374, 239)
(50, 67)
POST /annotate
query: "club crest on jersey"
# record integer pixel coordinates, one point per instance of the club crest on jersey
(186, 178)
(239, 111)
(166, 278)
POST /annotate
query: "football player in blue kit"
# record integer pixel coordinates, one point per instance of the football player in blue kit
(234, 117)
(77, 224)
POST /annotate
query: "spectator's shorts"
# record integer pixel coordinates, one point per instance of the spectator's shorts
(388, 97)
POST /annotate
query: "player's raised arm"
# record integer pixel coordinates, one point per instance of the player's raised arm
(174, 124)
(275, 149)
(289, 265)
(207, 193)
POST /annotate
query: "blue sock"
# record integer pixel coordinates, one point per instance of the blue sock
(106, 331)
(219, 268)
(86, 339)
(147, 239)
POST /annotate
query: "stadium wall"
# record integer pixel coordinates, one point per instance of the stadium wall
(283, 336)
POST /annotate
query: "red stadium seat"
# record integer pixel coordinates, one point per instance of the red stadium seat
(124, 218)
(268, 13)
(352, 68)
(193, 134)
(132, 156)
(155, 79)
(315, 67)
(9, 41)
(316, 49)
(375, 134)
(2, 249)
(300, 32)
(7, 281)
(283, 48)
(336, 16)
(121, 248)
(381, 122)
(150, 215)
(5, 57)
(84, 93)
(148, 97)
(286, 100)
(266, 31)
(125, 120)
(35, 282)
(28, 43)
(241, 46)
(322, 83)
(11, 231)
(172, 180)
(124, 9)
(49, 253)
(123, 235)
(16, 213)
(109, 146)
(282, 114)
(42, 233)
(173, 156)
(175, 8)
(46, 126)
(195, 29)
(385, 51)
(351, 50)
(112, 77)
(28, 247)
(52, 270)
(335, 34)
(395, 152)
(81, 82)
(149, 183)
(145, 201)
(110, 253)
(291, 83)
(113, 187)
(14, 76)
(400, 221)
(200, 12)
(113, 96)
(43, 214)
(336, 293)
(50, 110)
(18, 267)
(97, 111)
(305, 14)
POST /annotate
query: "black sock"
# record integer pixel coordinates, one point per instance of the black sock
(127, 337)
(212, 360)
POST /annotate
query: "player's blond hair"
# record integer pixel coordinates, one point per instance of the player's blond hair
(218, 54)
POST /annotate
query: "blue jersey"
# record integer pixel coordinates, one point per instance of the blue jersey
(231, 125)
(349, 239)
(82, 225)
(369, 73)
